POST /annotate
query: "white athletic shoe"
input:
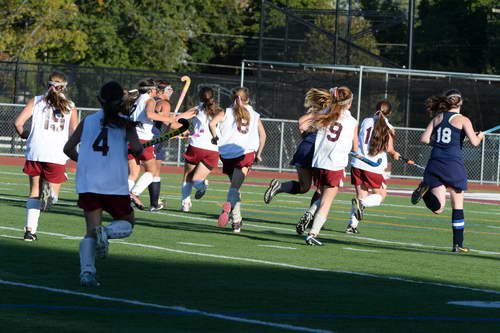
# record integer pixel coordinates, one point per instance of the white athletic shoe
(200, 193)
(311, 240)
(102, 244)
(87, 279)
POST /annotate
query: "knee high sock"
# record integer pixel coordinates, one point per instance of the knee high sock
(142, 183)
(457, 225)
(32, 214)
(237, 212)
(316, 196)
(431, 201)
(314, 207)
(292, 187)
(186, 191)
(200, 185)
(87, 255)
(233, 196)
(319, 221)
(118, 229)
(154, 191)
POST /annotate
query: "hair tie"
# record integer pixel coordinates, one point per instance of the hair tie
(239, 101)
(333, 91)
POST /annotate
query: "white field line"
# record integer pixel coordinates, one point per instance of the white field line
(359, 250)
(194, 244)
(477, 304)
(168, 307)
(277, 247)
(298, 267)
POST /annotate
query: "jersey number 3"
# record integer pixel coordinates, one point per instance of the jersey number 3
(102, 137)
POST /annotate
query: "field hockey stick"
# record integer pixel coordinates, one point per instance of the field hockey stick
(364, 159)
(491, 130)
(410, 162)
(195, 135)
(187, 82)
(169, 135)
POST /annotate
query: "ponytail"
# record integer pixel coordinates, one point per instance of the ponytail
(241, 114)
(451, 99)
(55, 97)
(341, 97)
(210, 105)
(381, 131)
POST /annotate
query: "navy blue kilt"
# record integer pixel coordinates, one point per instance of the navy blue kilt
(450, 173)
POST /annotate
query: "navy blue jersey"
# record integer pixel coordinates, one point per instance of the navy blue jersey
(305, 151)
(447, 140)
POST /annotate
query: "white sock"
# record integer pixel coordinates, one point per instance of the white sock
(131, 184)
(186, 191)
(372, 200)
(319, 221)
(233, 196)
(199, 185)
(54, 197)
(32, 214)
(314, 207)
(237, 212)
(87, 255)
(142, 183)
(118, 229)
(354, 221)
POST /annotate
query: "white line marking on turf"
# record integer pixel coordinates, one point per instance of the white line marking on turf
(277, 247)
(360, 250)
(477, 304)
(279, 264)
(194, 244)
(168, 307)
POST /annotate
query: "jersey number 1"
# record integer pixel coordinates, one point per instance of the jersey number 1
(102, 137)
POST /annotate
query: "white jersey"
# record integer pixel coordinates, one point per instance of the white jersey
(333, 143)
(139, 114)
(49, 133)
(201, 126)
(100, 170)
(364, 140)
(235, 142)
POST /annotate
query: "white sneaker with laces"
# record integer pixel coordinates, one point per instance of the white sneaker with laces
(186, 206)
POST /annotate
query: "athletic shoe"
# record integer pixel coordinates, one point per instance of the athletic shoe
(45, 196)
(272, 190)
(460, 249)
(200, 193)
(102, 244)
(156, 208)
(29, 237)
(419, 193)
(136, 201)
(351, 230)
(224, 215)
(357, 208)
(186, 206)
(87, 279)
(304, 222)
(236, 226)
(311, 240)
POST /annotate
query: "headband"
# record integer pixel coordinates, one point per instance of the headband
(454, 95)
(148, 87)
(57, 84)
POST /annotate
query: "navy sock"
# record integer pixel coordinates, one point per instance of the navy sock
(315, 197)
(457, 225)
(154, 193)
(292, 187)
(431, 201)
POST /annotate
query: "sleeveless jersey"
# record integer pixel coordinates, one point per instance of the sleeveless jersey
(98, 171)
(139, 114)
(364, 140)
(237, 141)
(333, 143)
(201, 123)
(49, 133)
(447, 140)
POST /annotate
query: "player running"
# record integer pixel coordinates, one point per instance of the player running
(337, 136)
(53, 120)
(102, 176)
(201, 156)
(376, 137)
(445, 170)
(242, 139)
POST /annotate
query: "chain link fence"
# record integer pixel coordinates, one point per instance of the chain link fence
(482, 163)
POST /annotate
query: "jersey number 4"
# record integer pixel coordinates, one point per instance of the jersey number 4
(102, 137)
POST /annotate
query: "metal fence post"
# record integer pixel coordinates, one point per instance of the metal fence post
(242, 73)
(498, 161)
(482, 161)
(360, 87)
(281, 146)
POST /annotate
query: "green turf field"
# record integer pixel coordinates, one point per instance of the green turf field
(180, 272)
